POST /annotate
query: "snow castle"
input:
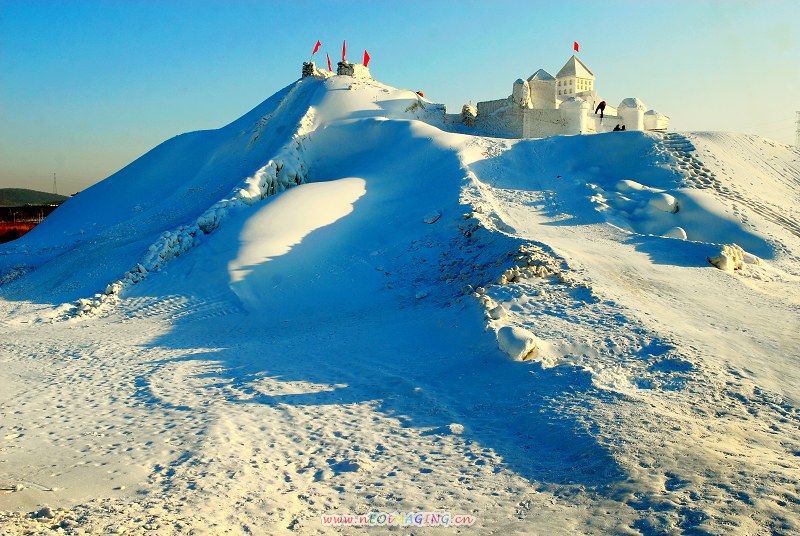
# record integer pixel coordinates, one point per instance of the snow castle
(547, 105)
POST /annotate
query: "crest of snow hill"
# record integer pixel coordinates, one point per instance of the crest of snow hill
(167, 197)
(541, 105)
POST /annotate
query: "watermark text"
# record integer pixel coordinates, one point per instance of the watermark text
(399, 519)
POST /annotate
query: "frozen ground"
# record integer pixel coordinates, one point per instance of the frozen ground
(332, 305)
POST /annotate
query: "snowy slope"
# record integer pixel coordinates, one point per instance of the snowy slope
(332, 305)
(102, 231)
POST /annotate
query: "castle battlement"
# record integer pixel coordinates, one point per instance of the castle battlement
(356, 70)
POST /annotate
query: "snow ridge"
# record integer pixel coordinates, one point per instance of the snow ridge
(531, 263)
(286, 170)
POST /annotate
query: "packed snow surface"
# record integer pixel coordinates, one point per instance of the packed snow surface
(335, 306)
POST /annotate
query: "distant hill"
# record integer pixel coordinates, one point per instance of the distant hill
(17, 197)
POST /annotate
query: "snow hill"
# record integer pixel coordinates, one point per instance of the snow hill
(334, 305)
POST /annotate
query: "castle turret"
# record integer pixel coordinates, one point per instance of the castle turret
(521, 93)
(631, 111)
(310, 69)
(576, 114)
(543, 90)
(655, 121)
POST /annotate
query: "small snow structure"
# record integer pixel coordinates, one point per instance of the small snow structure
(456, 428)
(676, 232)
(520, 344)
(730, 259)
(356, 70)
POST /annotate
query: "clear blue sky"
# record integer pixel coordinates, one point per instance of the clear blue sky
(88, 86)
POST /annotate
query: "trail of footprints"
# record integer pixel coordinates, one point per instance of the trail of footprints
(697, 175)
(176, 307)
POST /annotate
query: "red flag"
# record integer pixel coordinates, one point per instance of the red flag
(366, 58)
(316, 47)
(329, 62)
(344, 50)
(575, 45)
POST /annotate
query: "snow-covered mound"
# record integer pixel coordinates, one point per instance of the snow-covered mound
(333, 305)
(169, 199)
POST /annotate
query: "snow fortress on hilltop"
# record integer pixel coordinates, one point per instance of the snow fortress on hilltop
(356, 70)
(547, 105)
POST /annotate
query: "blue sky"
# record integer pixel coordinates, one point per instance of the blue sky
(87, 87)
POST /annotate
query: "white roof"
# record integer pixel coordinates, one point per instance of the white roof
(632, 102)
(575, 67)
(541, 74)
(573, 103)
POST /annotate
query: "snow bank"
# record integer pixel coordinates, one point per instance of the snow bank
(652, 393)
(674, 212)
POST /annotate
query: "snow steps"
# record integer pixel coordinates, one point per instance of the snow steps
(677, 142)
(697, 175)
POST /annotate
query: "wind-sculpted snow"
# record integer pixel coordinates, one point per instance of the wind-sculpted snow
(285, 171)
(163, 203)
(349, 310)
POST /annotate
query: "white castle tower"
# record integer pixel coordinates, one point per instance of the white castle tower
(543, 90)
(575, 80)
